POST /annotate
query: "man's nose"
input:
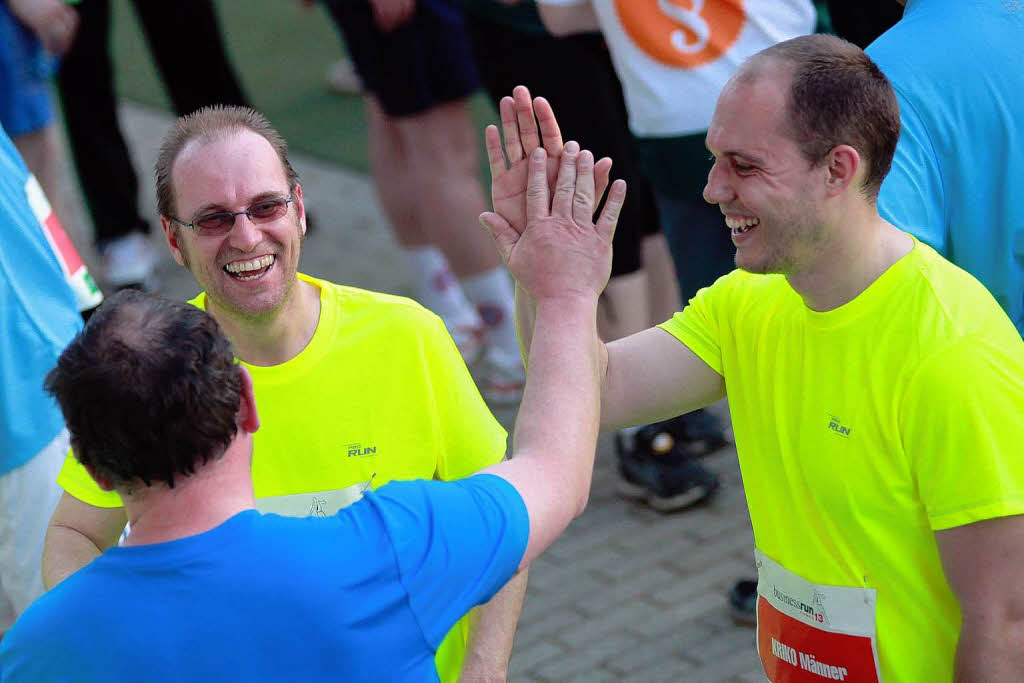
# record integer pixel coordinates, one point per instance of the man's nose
(245, 234)
(717, 190)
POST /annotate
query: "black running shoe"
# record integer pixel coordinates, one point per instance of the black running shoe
(656, 468)
(743, 602)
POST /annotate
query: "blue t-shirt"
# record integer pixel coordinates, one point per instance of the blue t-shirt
(958, 176)
(365, 595)
(38, 317)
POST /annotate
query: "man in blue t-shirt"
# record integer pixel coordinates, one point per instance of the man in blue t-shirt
(958, 173)
(206, 588)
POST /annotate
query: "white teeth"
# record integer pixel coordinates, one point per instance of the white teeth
(741, 224)
(239, 267)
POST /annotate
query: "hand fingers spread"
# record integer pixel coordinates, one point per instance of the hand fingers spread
(550, 135)
(565, 184)
(524, 115)
(610, 214)
(510, 129)
(538, 201)
(583, 199)
(602, 173)
(495, 159)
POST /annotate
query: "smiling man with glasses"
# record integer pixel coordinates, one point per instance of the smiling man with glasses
(358, 386)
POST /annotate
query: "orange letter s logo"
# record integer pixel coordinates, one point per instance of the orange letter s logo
(682, 33)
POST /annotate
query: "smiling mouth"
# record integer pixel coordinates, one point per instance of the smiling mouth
(252, 269)
(742, 224)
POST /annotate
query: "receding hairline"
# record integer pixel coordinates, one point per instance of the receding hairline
(206, 138)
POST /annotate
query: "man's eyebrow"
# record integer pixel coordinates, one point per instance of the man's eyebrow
(756, 160)
(217, 206)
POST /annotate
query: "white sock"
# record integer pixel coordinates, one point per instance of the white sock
(435, 287)
(492, 294)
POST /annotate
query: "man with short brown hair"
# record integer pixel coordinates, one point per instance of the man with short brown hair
(875, 389)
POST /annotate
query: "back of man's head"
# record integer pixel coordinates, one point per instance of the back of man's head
(206, 124)
(837, 96)
(149, 391)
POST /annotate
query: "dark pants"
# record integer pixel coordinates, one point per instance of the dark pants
(185, 41)
(701, 245)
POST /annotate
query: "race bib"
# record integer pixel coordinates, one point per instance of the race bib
(318, 504)
(809, 633)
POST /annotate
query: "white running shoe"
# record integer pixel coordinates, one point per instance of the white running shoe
(130, 261)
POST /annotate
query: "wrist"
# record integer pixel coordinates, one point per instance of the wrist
(567, 303)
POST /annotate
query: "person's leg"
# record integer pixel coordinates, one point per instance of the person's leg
(391, 67)
(109, 185)
(200, 74)
(28, 496)
(441, 152)
(433, 283)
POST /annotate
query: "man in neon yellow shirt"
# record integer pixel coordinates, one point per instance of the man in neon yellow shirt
(877, 391)
(364, 387)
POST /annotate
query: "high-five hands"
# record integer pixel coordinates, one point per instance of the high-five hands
(559, 251)
(526, 124)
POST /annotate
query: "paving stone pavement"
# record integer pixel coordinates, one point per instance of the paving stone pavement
(627, 594)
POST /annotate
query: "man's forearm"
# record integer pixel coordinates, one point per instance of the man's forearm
(493, 632)
(992, 651)
(65, 551)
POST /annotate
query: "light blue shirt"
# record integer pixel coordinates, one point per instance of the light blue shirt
(957, 181)
(38, 317)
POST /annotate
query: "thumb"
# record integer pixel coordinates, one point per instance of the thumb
(504, 235)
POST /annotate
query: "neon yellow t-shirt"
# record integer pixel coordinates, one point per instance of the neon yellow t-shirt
(380, 393)
(863, 430)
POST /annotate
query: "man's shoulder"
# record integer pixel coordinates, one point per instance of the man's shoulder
(368, 302)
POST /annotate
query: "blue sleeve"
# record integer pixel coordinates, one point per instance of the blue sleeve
(457, 543)
(913, 197)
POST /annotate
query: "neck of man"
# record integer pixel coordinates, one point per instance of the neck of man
(277, 336)
(213, 494)
(860, 246)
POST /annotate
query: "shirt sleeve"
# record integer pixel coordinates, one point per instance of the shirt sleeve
(962, 430)
(912, 196)
(456, 543)
(75, 479)
(697, 327)
(471, 437)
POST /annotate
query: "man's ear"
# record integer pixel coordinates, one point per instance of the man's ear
(844, 166)
(300, 207)
(173, 239)
(103, 482)
(247, 417)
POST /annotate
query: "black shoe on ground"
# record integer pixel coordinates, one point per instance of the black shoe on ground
(700, 432)
(656, 468)
(743, 602)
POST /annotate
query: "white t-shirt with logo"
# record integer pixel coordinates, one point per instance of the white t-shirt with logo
(674, 56)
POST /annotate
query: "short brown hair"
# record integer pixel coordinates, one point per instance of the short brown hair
(149, 390)
(838, 96)
(207, 124)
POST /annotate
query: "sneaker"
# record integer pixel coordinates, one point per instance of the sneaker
(656, 468)
(129, 262)
(743, 602)
(698, 433)
(342, 78)
(501, 380)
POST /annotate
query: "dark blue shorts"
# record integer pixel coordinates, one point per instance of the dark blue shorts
(425, 62)
(25, 71)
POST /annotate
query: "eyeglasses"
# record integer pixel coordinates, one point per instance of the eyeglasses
(220, 222)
